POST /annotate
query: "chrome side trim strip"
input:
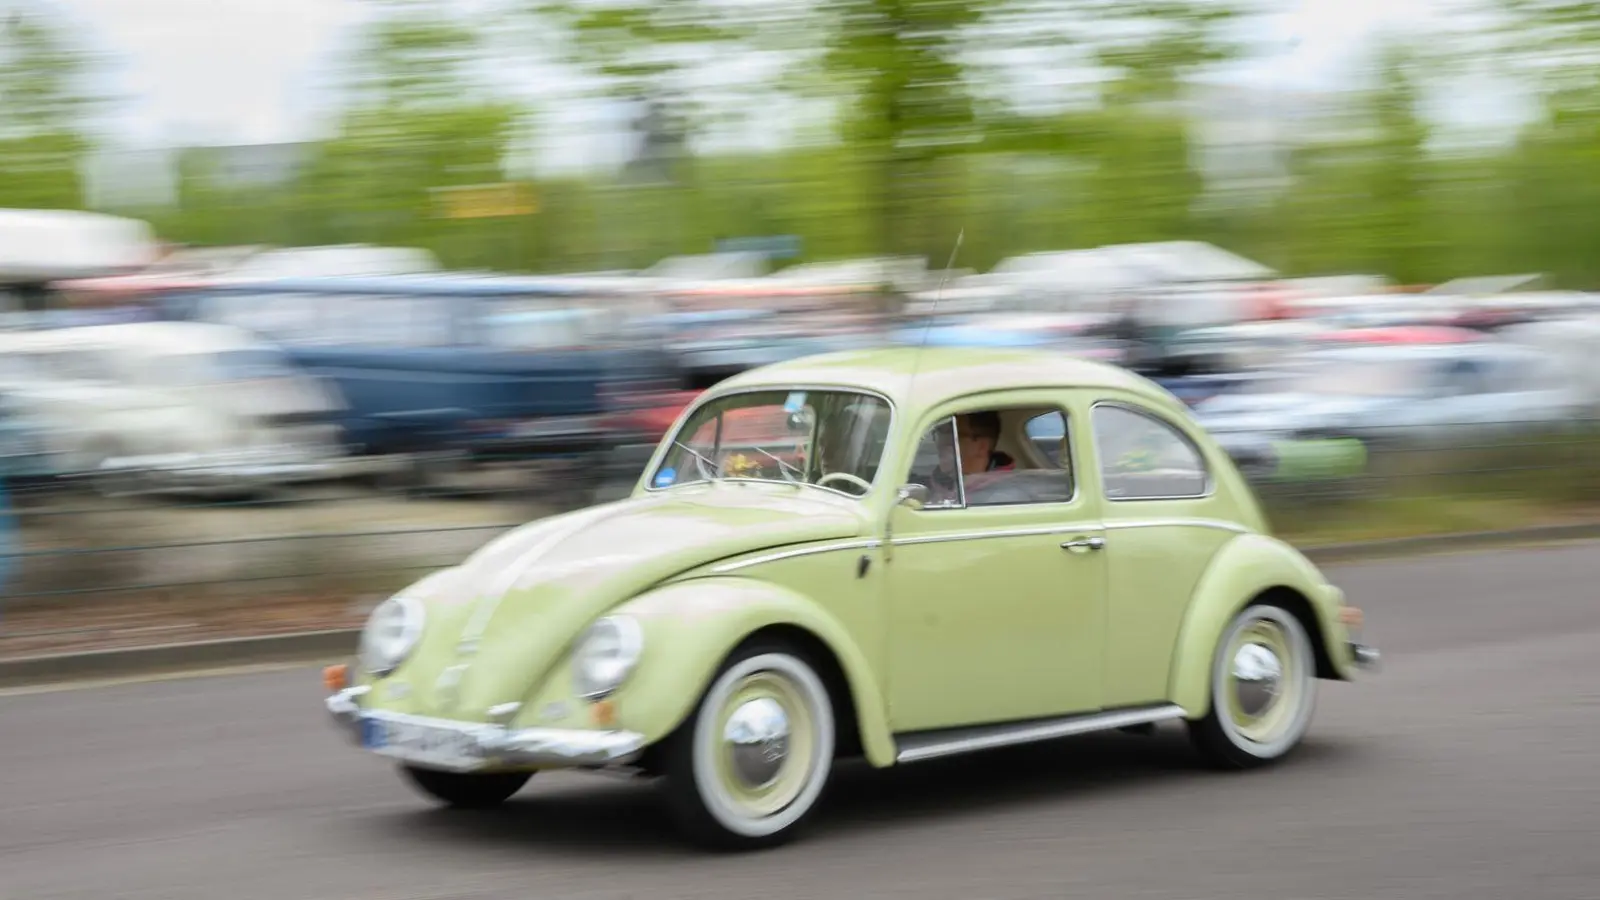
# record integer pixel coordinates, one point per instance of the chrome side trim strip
(1072, 527)
(1176, 522)
(791, 554)
(919, 747)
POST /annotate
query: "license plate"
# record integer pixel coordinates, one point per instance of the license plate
(421, 743)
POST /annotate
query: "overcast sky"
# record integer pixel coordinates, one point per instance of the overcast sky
(248, 71)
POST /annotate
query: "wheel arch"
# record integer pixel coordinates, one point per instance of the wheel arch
(1254, 569)
(702, 622)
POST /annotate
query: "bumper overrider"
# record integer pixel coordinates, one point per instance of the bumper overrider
(1364, 656)
(469, 746)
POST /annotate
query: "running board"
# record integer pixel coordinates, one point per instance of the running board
(918, 746)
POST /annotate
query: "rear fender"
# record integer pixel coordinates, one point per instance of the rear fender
(1244, 569)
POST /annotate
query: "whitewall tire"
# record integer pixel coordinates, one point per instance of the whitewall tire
(1263, 689)
(748, 767)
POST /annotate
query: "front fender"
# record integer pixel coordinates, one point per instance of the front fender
(1243, 569)
(690, 627)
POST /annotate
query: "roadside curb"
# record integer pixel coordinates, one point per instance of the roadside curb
(308, 646)
(313, 646)
(1472, 540)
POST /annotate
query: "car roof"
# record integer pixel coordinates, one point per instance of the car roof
(945, 372)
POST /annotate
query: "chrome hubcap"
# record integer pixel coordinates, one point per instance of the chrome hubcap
(1257, 678)
(757, 739)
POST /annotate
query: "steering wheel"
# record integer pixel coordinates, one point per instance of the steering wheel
(847, 478)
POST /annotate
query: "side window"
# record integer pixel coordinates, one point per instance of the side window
(934, 467)
(1144, 458)
(1048, 434)
(1005, 457)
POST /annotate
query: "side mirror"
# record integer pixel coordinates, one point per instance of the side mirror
(911, 495)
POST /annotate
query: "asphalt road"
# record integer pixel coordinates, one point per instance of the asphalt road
(1469, 769)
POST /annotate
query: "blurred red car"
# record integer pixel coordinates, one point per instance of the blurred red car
(1403, 334)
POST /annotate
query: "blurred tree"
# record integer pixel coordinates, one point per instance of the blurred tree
(44, 107)
(1554, 169)
(416, 122)
(906, 76)
(1361, 197)
(1552, 42)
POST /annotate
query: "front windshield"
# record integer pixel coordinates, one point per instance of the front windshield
(830, 439)
(1350, 376)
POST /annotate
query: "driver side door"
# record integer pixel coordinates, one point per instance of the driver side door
(997, 612)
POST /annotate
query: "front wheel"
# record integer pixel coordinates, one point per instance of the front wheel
(748, 767)
(467, 790)
(1263, 689)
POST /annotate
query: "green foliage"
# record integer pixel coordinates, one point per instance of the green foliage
(42, 109)
(924, 142)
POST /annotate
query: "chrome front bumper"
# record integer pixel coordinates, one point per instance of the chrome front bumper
(479, 745)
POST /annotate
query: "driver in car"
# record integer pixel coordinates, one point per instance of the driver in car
(979, 435)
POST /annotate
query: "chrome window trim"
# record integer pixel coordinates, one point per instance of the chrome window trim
(708, 397)
(961, 478)
(1210, 488)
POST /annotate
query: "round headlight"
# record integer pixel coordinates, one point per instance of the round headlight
(606, 655)
(391, 633)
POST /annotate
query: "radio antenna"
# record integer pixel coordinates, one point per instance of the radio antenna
(916, 362)
(938, 294)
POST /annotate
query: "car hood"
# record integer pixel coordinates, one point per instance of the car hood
(513, 609)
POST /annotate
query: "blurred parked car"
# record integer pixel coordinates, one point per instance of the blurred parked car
(27, 457)
(1573, 345)
(1390, 395)
(450, 369)
(165, 406)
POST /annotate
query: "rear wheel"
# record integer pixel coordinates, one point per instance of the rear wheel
(466, 790)
(1263, 690)
(749, 766)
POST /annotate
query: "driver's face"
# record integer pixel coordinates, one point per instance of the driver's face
(974, 449)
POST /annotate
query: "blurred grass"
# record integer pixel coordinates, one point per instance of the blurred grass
(1515, 481)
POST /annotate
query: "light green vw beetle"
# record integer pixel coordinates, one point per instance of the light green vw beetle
(861, 554)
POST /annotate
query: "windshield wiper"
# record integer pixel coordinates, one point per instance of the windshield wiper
(799, 475)
(716, 474)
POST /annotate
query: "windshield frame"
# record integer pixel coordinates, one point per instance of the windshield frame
(671, 438)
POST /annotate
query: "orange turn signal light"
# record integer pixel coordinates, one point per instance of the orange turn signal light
(1351, 616)
(336, 678)
(605, 713)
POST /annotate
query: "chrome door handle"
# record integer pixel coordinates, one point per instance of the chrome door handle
(1079, 545)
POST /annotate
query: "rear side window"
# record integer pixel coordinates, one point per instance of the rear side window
(1144, 458)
